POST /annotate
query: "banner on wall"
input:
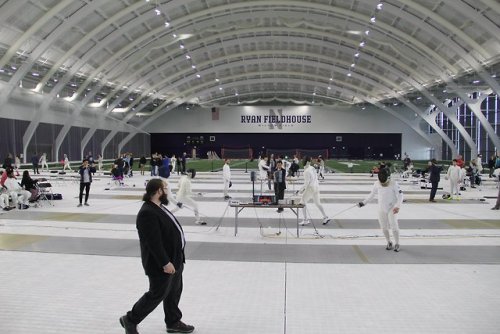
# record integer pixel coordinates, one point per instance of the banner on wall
(276, 118)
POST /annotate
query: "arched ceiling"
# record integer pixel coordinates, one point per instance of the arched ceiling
(137, 57)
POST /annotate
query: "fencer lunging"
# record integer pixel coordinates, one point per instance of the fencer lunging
(184, 195)
(390, 198)
(310, 190)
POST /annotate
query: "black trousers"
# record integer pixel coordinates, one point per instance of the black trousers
(279, 192)
(35, 169)
(166, 289)
(434, 187)
(85, 186)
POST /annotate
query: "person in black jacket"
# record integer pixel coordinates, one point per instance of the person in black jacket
(34, 161)
(434, 177)
(162, 252)
(279, 182)
(142, 164)
(29, 184)
(85, 172)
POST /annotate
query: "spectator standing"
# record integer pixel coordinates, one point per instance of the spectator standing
(183, 162)
(279, 183)
(7, 163)
(34, 161)
(491, 164)
(85, 172)
(142, 164)
(131, 160)
(434, 177)
(162, 252)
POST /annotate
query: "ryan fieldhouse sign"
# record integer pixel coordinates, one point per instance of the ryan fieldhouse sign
(275, 119)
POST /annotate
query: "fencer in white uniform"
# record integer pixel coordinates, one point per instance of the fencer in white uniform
(454, 175)
(4, 199)
(66, 163)
(16, 192)
(43, 162)
(184, 196)
(263, 169)
(226, 177)
(310, 190)
(390, 198)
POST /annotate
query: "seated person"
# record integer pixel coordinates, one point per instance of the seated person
(4, 199)
(4, 175)
(15, 190)
(29, 184)
(117, 174)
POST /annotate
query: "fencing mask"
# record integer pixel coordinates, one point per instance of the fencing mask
(383, 176)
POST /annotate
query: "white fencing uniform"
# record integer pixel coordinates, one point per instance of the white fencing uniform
(454, 175)
(43, 162)
(389, 197)
(4, 200)
(310, 190)
(66, 163)
(184, 194)
(16, 191)
(226, 176)
(263, 168)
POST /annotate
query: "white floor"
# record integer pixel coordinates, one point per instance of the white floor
(369, 290)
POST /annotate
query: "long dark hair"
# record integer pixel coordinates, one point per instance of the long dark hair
(26, 175)
(151, 188)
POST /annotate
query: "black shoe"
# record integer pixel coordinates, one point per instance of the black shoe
(432, 200)
(227, 197)
(389, 246)
(130, 328)
(180, 327)
(280, 210)
(493, 208)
